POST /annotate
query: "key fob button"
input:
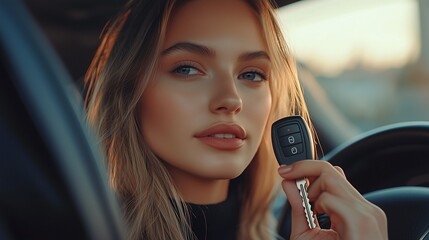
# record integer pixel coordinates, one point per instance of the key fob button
(290, 139)
(288, 129)
(293, 150)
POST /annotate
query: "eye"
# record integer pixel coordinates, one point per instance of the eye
(254, 76)
(186, 70)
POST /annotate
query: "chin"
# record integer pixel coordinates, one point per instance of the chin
(230, 175)
(226, 172)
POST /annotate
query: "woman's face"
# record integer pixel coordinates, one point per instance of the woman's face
(205, 112)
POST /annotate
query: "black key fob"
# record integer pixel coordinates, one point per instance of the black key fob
(292, 140)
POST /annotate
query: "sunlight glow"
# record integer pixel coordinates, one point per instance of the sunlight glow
(330, 36)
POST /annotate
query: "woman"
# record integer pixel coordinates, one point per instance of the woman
(183, 94)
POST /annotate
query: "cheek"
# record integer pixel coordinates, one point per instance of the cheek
(152, 110)
(256, 110)
(157, 111)
(266, 104)
(168, 101)
(165, 113)
(264, 111)
(258, 106)
(161, 111)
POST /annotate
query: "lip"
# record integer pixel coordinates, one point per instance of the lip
(207, 136)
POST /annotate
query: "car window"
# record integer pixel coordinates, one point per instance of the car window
(369, 57)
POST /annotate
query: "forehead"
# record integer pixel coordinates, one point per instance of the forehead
(208, 21)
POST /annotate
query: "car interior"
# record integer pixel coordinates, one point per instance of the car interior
(52, 179)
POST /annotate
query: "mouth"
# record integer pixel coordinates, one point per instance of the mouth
(223, 136)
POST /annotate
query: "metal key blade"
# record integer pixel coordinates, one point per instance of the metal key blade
(302, 187)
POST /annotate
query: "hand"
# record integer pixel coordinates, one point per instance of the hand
(352, 216)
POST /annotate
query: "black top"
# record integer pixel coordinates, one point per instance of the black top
(216, 221)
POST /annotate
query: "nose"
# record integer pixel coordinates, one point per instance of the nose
(225, 98)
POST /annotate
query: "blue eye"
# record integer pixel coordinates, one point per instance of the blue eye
(186, 70)
(252, 76)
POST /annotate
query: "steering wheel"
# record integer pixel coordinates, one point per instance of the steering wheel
(390, 167)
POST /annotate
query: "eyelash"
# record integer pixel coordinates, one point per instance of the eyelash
(191, 65)
(262, 75)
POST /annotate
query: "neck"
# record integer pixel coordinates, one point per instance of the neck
(199, 190)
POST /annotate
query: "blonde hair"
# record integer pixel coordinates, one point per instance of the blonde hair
(124, 63)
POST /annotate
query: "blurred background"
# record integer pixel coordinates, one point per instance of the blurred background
(370, 58)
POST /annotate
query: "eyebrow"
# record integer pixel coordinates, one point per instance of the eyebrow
(254, 55)
(203, 50)
(190, 47)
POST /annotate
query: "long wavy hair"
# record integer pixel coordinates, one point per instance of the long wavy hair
(124, 63)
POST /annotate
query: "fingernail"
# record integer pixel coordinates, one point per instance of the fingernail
(284, 169)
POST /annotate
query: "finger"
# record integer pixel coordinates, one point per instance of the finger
(341, 171)
(334, 184)
(350, 213)
(322, 174)
(299, 220)
(352, 220)
(335, 211)
(305, 168)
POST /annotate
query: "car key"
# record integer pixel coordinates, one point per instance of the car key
(292, 142)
